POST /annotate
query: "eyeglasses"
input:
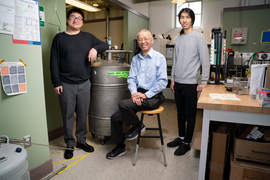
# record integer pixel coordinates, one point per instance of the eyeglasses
(143, 39)
(72, 17)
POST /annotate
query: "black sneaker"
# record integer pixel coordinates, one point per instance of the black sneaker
(86, 147)
(68, 153)
(182, 149)
(117, 151)
(134, 132)
(175, 142)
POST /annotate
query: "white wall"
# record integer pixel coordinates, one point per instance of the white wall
(161, 14)
(140, 7)
(162, 18)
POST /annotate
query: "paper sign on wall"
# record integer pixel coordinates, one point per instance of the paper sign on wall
(13, 78)
(27, 28)
(7, 12)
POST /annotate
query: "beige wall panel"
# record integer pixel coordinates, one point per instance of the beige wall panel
(99, 30)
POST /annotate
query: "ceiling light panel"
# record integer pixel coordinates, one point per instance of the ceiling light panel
(178, 1)
(82, 5)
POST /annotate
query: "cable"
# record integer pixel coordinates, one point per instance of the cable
(21, 142)
(250, 61)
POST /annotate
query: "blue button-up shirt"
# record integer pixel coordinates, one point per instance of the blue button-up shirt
(149, 73)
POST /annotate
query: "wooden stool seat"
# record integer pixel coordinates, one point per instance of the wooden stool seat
(151, 113)
(155, 111)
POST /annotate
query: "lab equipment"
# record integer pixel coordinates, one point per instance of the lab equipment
(108, 88)
(239, 36)
(263, 97)
(261, 56)
(13, 161)
(238, 85)
(217, 46)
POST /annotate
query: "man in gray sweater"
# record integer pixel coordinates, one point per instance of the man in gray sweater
(189, 54)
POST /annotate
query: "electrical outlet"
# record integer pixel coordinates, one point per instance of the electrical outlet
(27, 139)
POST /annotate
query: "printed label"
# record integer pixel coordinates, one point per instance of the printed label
(119, 74)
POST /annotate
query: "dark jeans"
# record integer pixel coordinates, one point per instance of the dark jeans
(127, 113)
(186, 104)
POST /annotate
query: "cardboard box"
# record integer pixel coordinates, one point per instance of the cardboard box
(219, 152)
(197, 141)
(267, 79)
(266, 133)
(262, 99)
(245, 171)
(251, 152)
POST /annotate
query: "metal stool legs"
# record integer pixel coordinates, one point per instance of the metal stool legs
(138, 141)
(160, 136)
(162, 143)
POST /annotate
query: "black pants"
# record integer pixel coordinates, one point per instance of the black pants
(186, 104)
(127, 113)
(75, 98)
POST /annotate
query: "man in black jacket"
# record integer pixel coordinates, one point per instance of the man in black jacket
(72, 52)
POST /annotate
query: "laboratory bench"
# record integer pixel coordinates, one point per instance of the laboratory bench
(245, 111)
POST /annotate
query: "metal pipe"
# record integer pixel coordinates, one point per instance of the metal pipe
(220, 57)
(107, 23)
(56, 172)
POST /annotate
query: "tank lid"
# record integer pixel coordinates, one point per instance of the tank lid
(13, 161)
(110, 63)
(110, 52)
(118, 51)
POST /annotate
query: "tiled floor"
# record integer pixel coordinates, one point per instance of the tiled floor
(149, 164)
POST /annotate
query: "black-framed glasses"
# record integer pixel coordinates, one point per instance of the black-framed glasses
(72, 17)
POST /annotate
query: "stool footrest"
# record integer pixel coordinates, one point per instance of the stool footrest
(152, 128)
(150, 136)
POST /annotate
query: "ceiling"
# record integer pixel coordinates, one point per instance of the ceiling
(112, 4)
(101, 4)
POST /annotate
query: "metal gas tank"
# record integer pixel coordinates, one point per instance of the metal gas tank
(108, 88)
(13, 161)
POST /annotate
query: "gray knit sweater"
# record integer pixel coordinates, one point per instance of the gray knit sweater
(190, 52)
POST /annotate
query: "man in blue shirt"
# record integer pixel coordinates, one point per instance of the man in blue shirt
(147, 78)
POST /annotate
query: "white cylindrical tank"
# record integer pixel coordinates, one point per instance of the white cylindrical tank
(13, 162)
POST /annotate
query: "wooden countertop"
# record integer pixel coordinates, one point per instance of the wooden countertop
(245, 105)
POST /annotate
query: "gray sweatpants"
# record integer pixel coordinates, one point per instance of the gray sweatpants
(75, 98)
